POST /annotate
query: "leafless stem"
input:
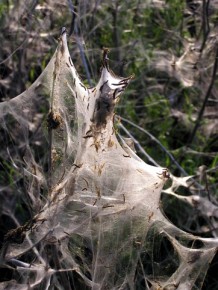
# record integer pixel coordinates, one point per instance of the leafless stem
(158, 142)
(74, 28)
(205, 23)
(73, 12)
(150, 159)
(116, 35)
(201, 112)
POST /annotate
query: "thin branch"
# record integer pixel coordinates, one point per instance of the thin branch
(18, 48)
(150, 159)
(198, 121)
(74, 28)
(116, 36)
(74, 14)
(205, 23)
(158, 142)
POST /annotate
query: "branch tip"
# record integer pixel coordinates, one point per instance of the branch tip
(105, 57)
(63, 31)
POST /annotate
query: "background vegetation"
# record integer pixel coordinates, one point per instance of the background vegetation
(170, 108)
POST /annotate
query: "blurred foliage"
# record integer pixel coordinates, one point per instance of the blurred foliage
(157, 41)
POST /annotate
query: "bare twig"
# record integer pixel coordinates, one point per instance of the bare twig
(201, 112)
(18, 48)
(116, 35)
(205, 23)
(150, 159)
(158, 142)
(73, 12)
(74, 28)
